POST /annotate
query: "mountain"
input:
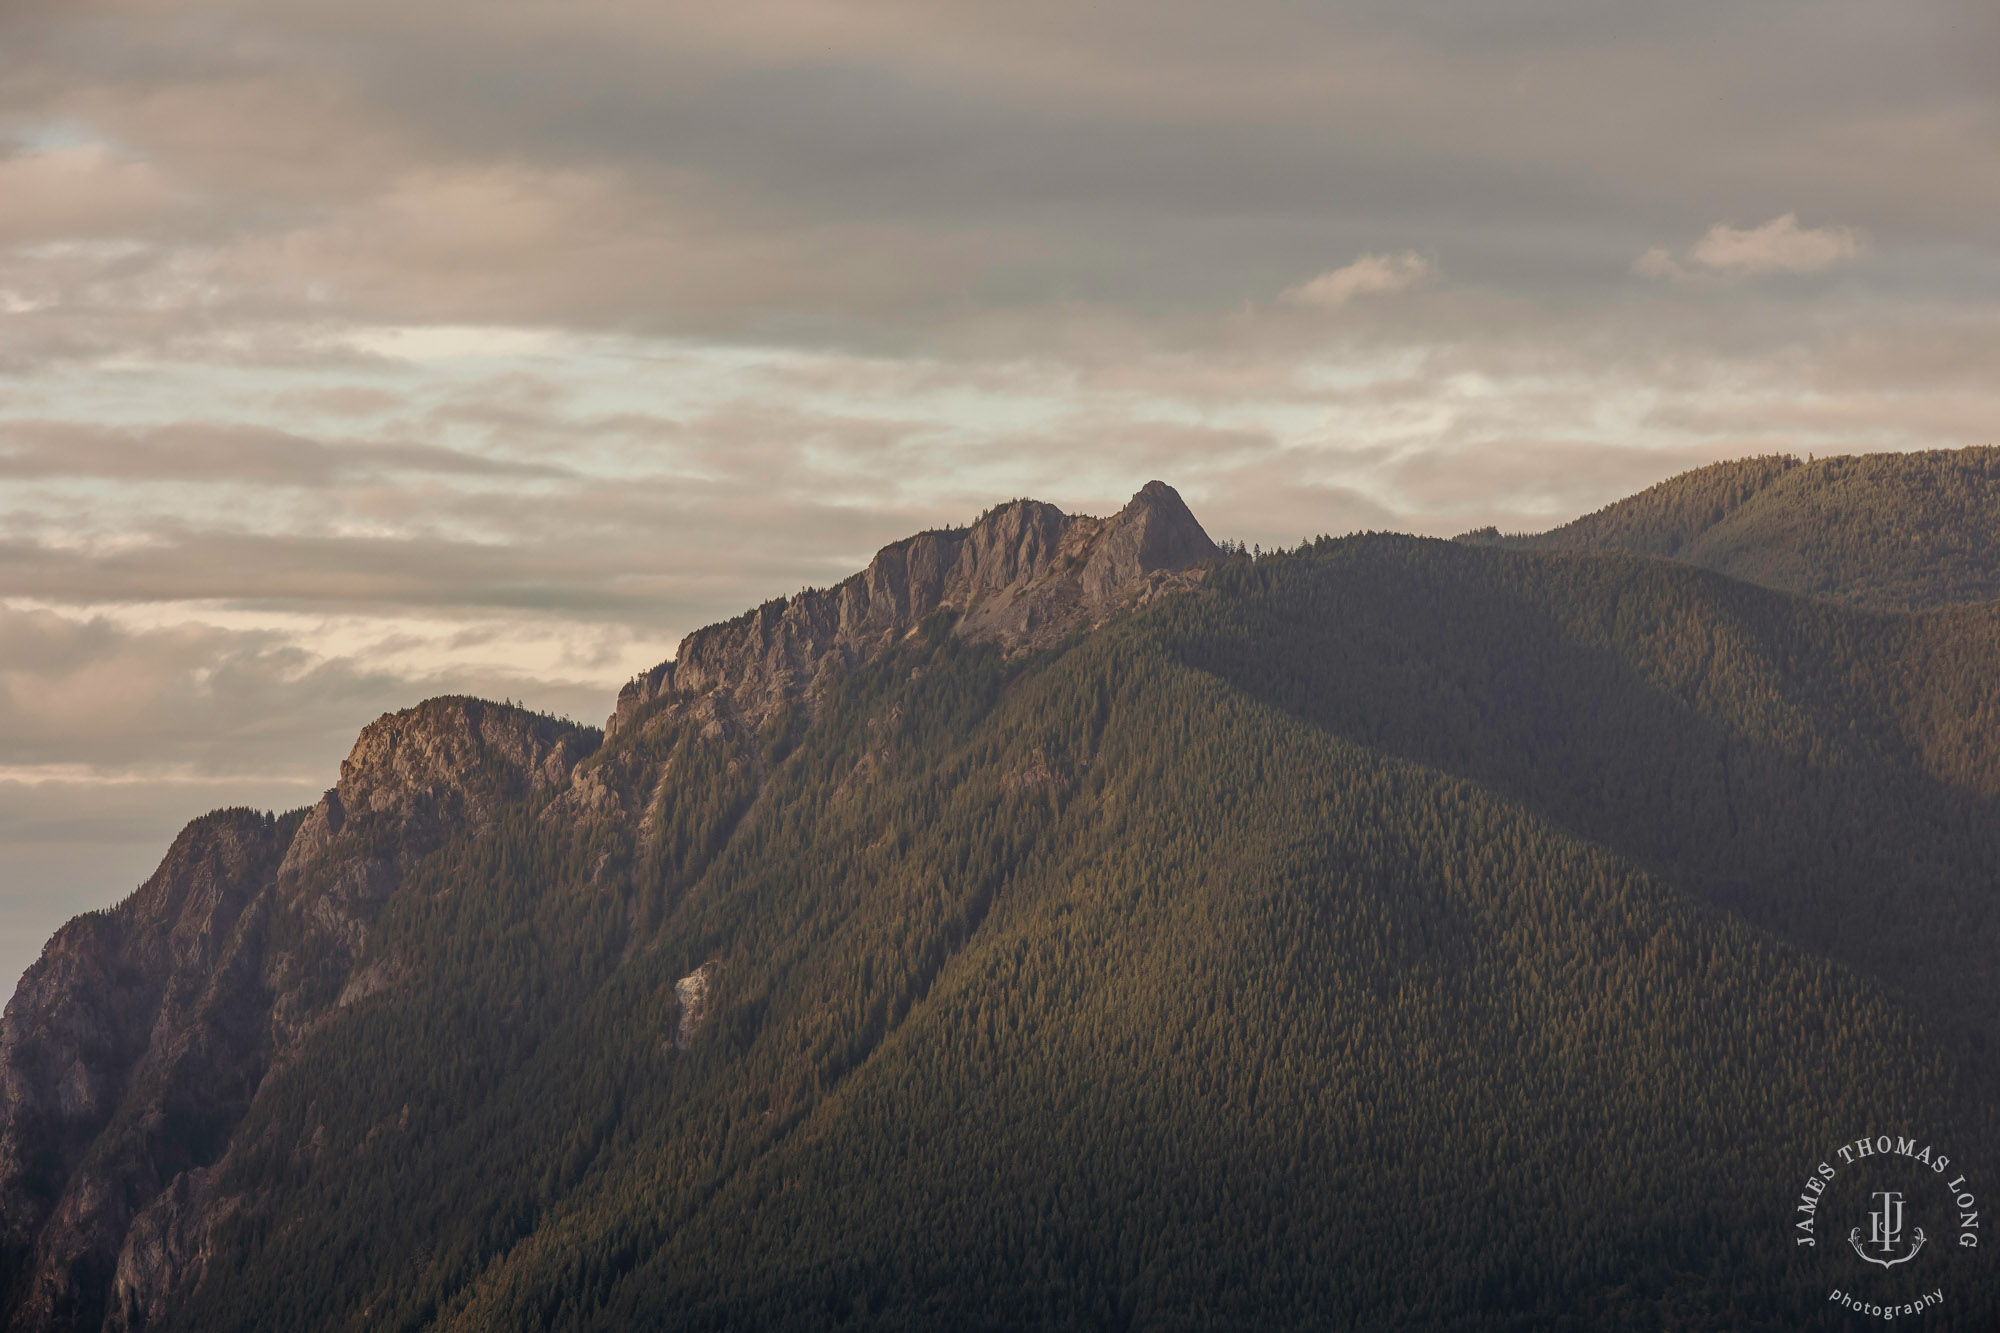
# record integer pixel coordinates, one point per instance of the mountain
(133, 1047)
(1023, 576)
(1064, 922)
(1889, 531)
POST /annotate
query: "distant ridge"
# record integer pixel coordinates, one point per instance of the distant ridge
(1886, 531)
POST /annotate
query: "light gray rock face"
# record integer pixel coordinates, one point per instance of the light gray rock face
(692, 991)
(1023, 576)
(134, 1046)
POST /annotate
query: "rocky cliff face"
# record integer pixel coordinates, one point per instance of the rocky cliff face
(135, 1044)
(133, 1015)
(1023, 576)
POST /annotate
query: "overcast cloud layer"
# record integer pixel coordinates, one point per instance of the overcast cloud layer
(354, 352)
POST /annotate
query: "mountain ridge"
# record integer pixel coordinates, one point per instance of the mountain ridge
(900, 956)
(1893, 532)
(189, 1032)
(1023, 575)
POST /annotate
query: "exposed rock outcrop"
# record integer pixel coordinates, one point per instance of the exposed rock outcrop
(141, 1010)
(135, 1046)
(412, 779)
(166, 1251)
(692, 991)
(1023, 576)
(136, 1043)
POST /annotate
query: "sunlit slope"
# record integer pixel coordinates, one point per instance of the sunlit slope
(1307, 952)
(1894, 531)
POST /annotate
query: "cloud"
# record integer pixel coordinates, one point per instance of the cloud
(352, 350)
(89, 696)
(1369, 275)
(1659, 262)
(1530, 483)
(225, 452)
(873, 176)
(78, 192)
(113, 734)
(1778, 246)
(124, 697)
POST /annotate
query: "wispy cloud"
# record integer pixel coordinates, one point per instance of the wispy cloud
(227, 452)
(1778, 246)
(351, 351)
(1369, 275)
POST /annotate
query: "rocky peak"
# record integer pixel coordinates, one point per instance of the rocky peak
(1155, 531)
(1022, 576)
(446, 744)
(449, 760)
(412, 779)
(173, 1006)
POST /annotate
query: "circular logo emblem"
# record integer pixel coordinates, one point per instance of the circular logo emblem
(1882, 1220)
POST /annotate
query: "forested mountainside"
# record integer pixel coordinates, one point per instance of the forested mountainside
(1386, 933)
(1891, 531)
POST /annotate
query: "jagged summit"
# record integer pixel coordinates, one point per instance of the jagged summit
(1023, 576)
(179, 1003)
(452, 759)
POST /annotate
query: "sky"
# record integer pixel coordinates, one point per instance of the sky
(356, 352)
